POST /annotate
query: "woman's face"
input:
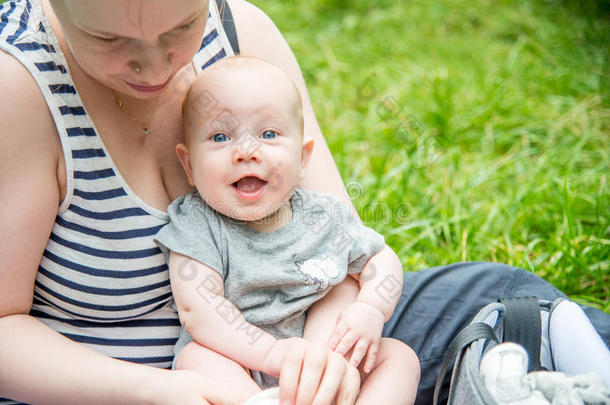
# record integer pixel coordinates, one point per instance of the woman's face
(133, 46)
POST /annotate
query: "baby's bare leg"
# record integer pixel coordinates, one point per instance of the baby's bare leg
(394, 379)
(217, 367)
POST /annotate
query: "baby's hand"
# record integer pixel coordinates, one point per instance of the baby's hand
(358, 324)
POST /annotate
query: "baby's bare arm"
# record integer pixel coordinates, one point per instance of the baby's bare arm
(211, 319)
(322, 316)
(381, 282)
(359, 326)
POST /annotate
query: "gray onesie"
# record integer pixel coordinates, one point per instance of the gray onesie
(272, 278)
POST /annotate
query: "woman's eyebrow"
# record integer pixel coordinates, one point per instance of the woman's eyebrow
(111, 35)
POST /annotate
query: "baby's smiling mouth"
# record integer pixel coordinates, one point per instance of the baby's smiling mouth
(249, 184)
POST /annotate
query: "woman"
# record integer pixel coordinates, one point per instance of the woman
(91, 95)
(108, 82)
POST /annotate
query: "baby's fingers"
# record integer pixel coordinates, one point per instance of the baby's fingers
(336, 336)
(359, 352)
(371, 357)
(347, 342)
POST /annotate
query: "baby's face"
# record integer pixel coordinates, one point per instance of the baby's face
(246, 153)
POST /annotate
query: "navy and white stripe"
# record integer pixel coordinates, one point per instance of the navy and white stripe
(101, 281)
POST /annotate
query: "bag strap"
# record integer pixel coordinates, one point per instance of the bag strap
(226, 18)
(522, 325)
(471, 333)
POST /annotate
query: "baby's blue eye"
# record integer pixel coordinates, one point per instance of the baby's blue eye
(269, 134)
(220, 138)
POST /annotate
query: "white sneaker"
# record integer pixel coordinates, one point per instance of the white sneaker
(270, 396)
(503, 369)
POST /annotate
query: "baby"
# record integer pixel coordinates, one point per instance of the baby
(251, 256)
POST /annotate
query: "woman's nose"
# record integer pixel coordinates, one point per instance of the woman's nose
(154, 61)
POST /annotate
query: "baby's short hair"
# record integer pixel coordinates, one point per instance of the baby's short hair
(199, 102)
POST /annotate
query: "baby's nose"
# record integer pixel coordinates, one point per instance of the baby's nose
(246, 149)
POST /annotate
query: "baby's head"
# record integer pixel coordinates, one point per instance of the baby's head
(244, 146)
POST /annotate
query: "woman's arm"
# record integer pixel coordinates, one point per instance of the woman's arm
(258, 36)
(38, 365)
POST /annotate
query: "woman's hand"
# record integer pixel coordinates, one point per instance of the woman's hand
(310, 373)
(187, 387)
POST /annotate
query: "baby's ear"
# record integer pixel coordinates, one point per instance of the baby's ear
(306, 154)
(185, 159)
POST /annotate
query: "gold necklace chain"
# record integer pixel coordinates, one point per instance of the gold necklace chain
(145, 127)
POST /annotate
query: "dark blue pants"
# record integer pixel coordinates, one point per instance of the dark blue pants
(436, 303)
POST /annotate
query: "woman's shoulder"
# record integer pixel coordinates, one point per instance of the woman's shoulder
(252, 26)
(24, 112)
(26, 133)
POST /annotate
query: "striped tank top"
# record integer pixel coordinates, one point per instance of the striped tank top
(102, 281)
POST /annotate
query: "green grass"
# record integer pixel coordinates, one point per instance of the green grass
(469, 130)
